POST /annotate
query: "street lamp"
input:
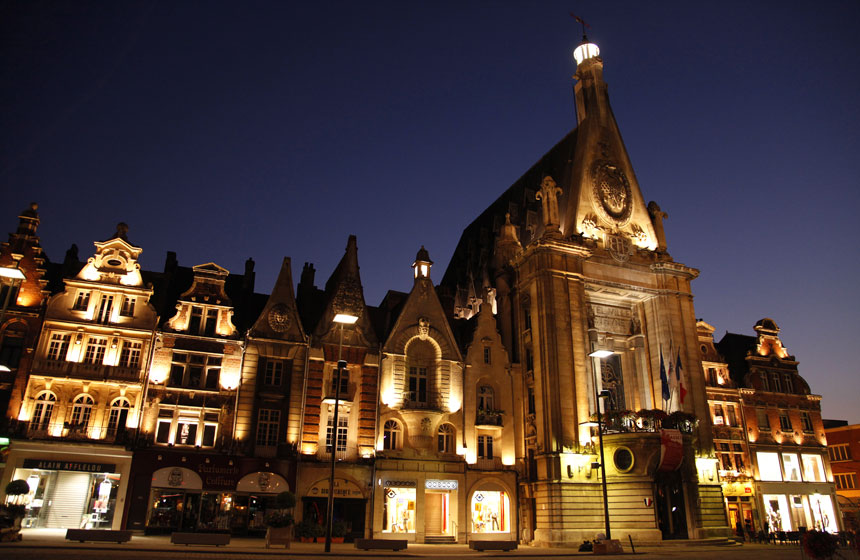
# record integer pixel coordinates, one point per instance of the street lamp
(15, 276)
(342, 319)
(604, 394)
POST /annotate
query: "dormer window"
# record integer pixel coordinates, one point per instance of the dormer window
(203, 321)
(105, 309)
(486, 354)
(82, 301)
(195, 371)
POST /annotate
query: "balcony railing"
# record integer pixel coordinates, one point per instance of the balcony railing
(489, 418)
(625, 421)
(82, 370)
(65, 431)
(488, 463)
(324, 454)
(428, 400)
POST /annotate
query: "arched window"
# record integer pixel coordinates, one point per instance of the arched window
(391, 435)
(420, 365)
(445, 438)
(486, 398)
(118, 417)
(43, 411)
(81, 411)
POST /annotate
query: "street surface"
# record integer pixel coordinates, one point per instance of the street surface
(50, 545)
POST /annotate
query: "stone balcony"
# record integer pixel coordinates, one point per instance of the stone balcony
(80, 370)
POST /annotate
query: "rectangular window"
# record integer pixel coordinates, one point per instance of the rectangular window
(775, 383)
(719, 419)
(196, 320)
(789, 384)
(58, 347)
(731, 419)
(763, 420)
(95, 352)
(209, 432)
(129, 356)
(274, 373)
(806, 422)
(791, 467)
(195, 371)
(344, 381)
(268, 421)
(527, 317)
(784, 422)
(186, 432)
(839, 452)
(764, 384)
(485, 447)
(417, 384)
(105, 309)
(342, 429)
(211, 322)
(813, 468)
(82, 302)
(712, 376)
(846, 481)
(768, 466)
(486, 354)
(127, 309)
(530, 361)
(162, 434)
(531, 401)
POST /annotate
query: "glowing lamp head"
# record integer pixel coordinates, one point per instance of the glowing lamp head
(601, 354)
(585, 51)
(12, 273)
(345, 319)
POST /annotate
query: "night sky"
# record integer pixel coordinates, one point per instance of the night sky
(228, 130)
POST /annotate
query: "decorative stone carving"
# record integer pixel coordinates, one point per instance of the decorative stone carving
(279, 318)
(657, 217)
(423, 328)
(548, 195)
(348, 298)
(640, 238)
(589, 227)
(425, 425)
(611, 193)
(619, 247)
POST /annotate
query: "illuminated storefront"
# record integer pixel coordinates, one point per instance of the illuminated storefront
(490, 511)
(71, 487)
(399, 510)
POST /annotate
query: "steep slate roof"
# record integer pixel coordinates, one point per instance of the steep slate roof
(518, 199)
(734, 348)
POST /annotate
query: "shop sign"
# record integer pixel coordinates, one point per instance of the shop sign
(400, 483)
(221, 478)
(342, 489)
(50, 465)
(671, 450)
(440, 484)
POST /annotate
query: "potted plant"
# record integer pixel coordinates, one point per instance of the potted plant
(279, 521)
(338, 531)
(10, 523)
(306, 531)
(319, 532)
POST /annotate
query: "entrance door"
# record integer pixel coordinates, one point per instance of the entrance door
(433, 514)
(669, 499)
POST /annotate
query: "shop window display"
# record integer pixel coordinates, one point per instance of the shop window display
(792, 467)
(822, 513)
(491, 512)
(399, 510)
(813, 469)
(777, 514)
(98, 496)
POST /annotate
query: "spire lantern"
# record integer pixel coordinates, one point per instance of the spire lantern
(585, 51)
(422, 264)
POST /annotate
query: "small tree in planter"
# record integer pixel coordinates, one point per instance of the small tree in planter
(279, 521)
(338, 531)
(15, 510)
(306, 530)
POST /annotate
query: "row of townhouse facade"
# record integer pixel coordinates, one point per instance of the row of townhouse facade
(145, 407)
(183, 400)
(769, 435)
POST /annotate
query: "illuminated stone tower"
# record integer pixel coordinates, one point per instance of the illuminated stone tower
(579, 263)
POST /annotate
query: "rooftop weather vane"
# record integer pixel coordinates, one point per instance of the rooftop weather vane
(583, 23)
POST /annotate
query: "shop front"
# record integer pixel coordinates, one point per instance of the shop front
(740, 506)
(418, 507)
(491, 516)
(200, 493)
(798, 507)
(349, 508)
(71, 487)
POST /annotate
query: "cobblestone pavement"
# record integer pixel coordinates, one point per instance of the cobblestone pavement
(50, 545)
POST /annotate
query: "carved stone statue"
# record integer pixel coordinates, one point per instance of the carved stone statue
(657, 217)
(548, 195)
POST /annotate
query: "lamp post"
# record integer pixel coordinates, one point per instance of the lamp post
(15, 276)
(342, 319)
(600, 354)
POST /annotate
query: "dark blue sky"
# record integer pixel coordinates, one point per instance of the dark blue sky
(228, 130)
